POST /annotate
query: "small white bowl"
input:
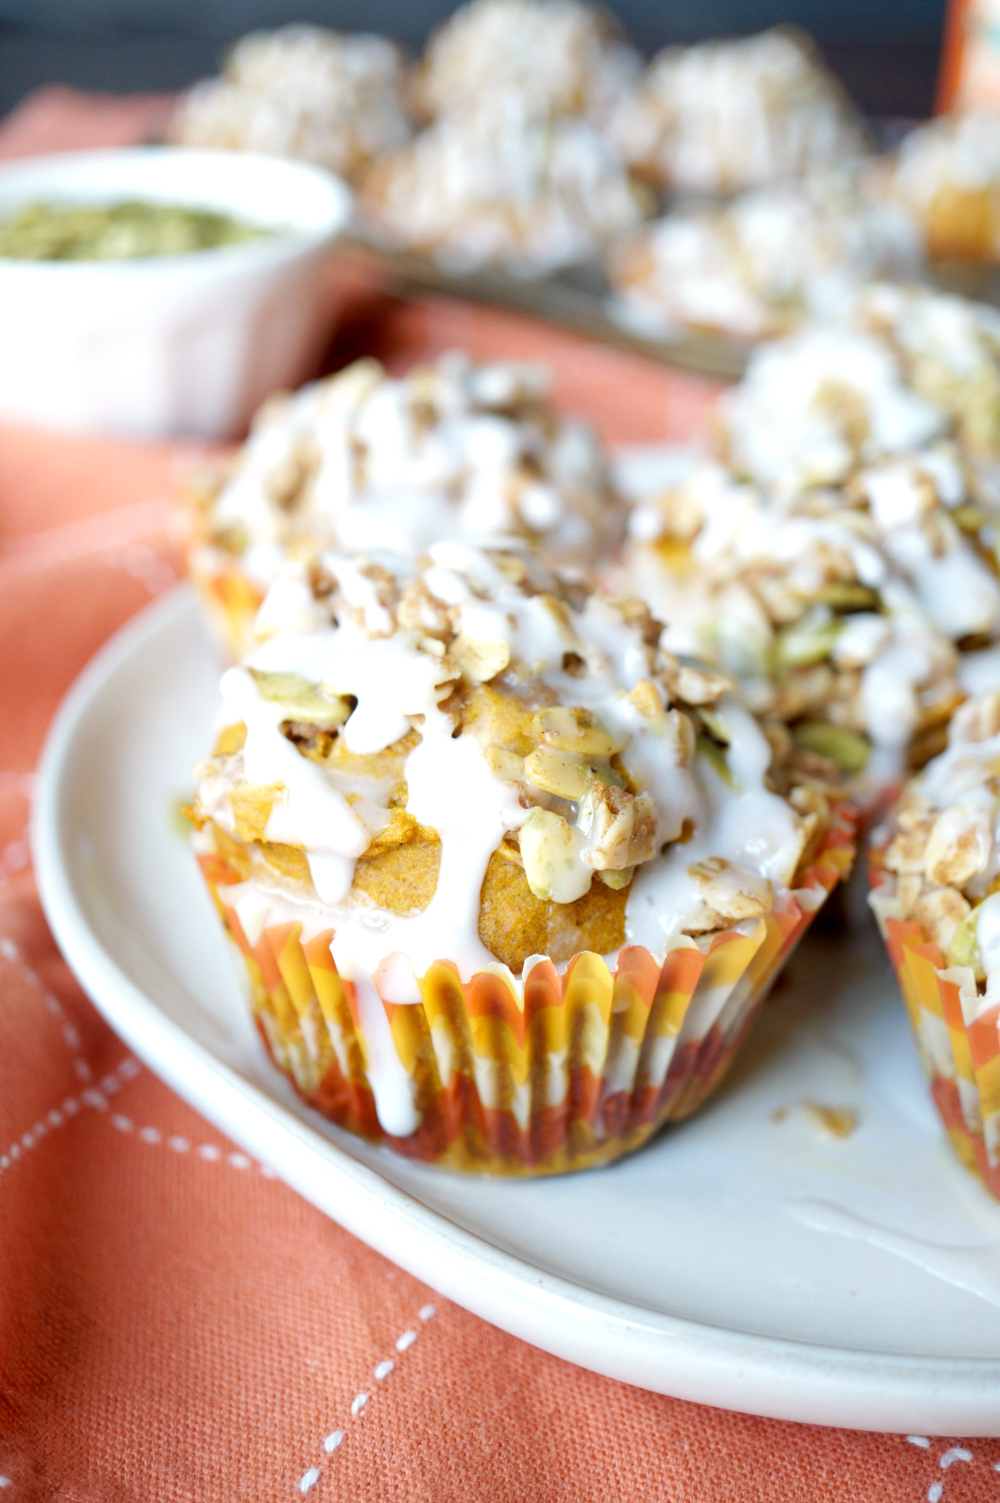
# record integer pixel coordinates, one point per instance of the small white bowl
(170, 344)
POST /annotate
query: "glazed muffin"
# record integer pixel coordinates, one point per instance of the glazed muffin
(757, 267)
(838, 610)
(947, 349)
(814, 407)
(556, 58)
(936, 895)
(947, 175)
(502, 185)
(362, 460)
(729, 115)
(509, 880)
(301, 92)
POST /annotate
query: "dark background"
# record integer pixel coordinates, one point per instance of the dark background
(886, 51)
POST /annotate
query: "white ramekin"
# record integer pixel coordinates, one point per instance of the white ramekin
(175, 344)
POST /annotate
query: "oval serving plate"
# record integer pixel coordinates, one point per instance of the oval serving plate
(747, 1259)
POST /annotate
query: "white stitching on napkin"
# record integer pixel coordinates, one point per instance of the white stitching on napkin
(209, 1153)
(935, 1490)
(57, 1117)
(11, 952)
(359, 1404)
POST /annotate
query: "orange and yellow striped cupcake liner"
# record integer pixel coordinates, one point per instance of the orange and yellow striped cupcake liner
(562, 1071)
(959, 1044)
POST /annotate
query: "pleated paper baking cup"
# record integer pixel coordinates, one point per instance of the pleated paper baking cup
(566, 1069)
(958, 1040)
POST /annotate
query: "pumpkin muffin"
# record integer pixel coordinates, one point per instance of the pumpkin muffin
(556, 57)
(509, 879)
(500, 184)
(760, 265)
(946, 173)
(728, 115)
(838, 610)
(936, 895)
(363, 459)
(302, 92)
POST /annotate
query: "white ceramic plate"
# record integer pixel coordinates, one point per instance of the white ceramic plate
(745, 1259)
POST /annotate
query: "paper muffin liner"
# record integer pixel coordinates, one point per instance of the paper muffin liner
(567, 1069)
(958, 1039)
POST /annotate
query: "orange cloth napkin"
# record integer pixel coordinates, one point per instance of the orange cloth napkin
(174, 1322)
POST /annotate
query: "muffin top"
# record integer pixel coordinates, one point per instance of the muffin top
(728, 115)
(556, 57)
(454, 756)
(944, 854)
(303, 92)
(501, 184)
(450, 450)
(759, 265)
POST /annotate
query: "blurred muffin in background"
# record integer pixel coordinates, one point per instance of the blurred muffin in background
(948, 349)
(947, 174)
(501, 185)
(840, 555)
(758, 266)
(364, 460)
(303, 92)
(555, 58)
(724, 116)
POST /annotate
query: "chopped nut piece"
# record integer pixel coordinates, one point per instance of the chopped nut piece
(505, 764)
(845, 748)
(697, 686)
(480, 661)
(960, 842)
(940, 911)
(563, 773)
(619, 827)
(964, 946)
(681, 735)
(728, 893)
(979, 718)
(907, 850)
(576, 729)
(550, 850)
(302, 700)
(648, 701)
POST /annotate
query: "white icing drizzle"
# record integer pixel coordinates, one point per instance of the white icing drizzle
(449, 450)
(754, 829)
